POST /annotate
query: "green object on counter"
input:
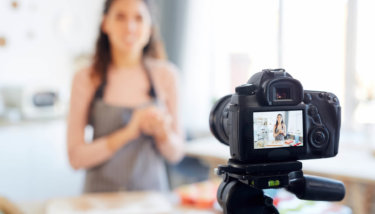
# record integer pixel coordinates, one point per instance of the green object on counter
(297, 208)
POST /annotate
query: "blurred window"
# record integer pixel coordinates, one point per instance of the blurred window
(327, 45)
(365, 77)
(313, 43)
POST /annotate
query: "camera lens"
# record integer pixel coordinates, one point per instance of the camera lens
(219, 120)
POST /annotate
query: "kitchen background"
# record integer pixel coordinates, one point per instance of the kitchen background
(327, 45)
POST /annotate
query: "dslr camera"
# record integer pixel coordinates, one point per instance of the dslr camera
(270, 123)
(272, 119)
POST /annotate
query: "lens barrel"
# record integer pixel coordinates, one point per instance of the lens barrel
(218, 120)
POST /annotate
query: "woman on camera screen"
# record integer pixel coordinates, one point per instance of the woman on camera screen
(129, 96)
(279, 130)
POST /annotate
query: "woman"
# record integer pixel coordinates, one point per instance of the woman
(279, 130)
(129, 96)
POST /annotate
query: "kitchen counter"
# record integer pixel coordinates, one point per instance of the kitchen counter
(119, 202)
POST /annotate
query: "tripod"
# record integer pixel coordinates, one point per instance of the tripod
(241, 188)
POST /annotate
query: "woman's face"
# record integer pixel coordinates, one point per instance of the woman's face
(128, 25)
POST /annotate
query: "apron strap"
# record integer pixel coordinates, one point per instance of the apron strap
(99, 93)
(152, 91)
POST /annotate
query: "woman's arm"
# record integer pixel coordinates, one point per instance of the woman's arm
(82, 154)
(171, 146)
(284, 130)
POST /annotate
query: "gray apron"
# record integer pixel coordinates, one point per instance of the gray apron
(137, 166)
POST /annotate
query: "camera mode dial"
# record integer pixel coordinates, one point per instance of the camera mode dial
(319, 137)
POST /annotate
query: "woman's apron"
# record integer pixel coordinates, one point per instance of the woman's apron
(138, 165)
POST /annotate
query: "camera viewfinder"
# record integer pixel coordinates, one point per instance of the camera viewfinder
(282, 93)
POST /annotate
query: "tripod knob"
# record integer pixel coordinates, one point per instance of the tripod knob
(317, 188)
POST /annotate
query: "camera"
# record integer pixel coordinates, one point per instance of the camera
(270, 123)
(272, 119)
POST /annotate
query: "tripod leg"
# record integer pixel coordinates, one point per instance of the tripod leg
(236, 197)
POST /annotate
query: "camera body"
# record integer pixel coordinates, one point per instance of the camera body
(272, 119)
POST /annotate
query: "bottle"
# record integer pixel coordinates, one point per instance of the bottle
(296, 137)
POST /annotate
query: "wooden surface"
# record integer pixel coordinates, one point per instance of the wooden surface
(8, 207)
(136, 202)
(113, 203)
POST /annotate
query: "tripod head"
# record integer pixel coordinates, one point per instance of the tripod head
(241, 190)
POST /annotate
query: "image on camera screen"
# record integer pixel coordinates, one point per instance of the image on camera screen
(276, 129)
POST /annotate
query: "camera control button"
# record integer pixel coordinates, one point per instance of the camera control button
(313, 111)
(317, 119)
(307, 98)
(319, 137)
(321, 95)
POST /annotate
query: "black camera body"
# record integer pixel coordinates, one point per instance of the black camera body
(272, 119)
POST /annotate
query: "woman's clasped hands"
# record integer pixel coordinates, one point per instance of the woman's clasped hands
(151, 121)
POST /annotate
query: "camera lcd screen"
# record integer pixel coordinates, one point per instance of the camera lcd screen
(276, 129)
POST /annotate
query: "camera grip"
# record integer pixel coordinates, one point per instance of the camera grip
(317, 188)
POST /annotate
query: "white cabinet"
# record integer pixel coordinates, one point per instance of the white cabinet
(34, 163)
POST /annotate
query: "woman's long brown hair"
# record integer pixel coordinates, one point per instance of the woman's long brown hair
(102, 57)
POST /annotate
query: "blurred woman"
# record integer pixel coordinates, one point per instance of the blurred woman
(129, 96)
(279, 130)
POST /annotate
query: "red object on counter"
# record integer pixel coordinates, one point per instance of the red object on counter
(288, 141)
(201, 195)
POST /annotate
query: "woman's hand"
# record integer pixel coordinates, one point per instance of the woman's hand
(149, 120)
(131, 131)
(139, 120)
(156, 123)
